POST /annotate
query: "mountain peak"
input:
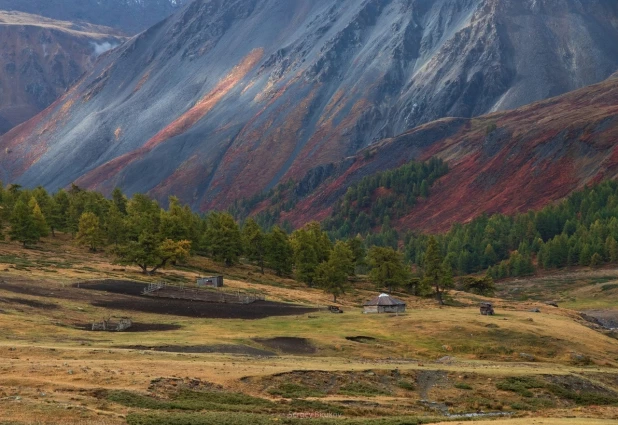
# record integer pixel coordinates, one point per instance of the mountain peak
(189, 106)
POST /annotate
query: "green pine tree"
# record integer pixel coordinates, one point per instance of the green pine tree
(24, 229)
(333, 275)
(254, 243)
(223, 238)
(278, 252)
(387, 268)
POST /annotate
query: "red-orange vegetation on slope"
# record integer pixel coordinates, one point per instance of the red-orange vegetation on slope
(141, 82)
(179, 182)
(270, 148)
(536, 155)
(103, 177)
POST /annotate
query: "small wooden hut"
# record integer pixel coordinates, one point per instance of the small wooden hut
(384, 303)
(487, 309)
(211, 281)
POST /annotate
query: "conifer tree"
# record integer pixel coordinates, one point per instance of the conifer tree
(40, 223)
(333, 275)
(437, 272)
(115, 227)
(120, 201)
(150, 253)
(254, 242)
(223, 238)
(387, 268)
(24, 229)
(278, 252)
(173, 224)
(89, 231)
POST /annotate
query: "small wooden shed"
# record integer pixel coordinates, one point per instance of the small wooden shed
(384, 303)
(211, 281)
(487, 309)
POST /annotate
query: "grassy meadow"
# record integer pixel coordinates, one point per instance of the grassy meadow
(429, 365)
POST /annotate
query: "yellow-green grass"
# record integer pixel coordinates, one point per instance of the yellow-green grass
(41, 351)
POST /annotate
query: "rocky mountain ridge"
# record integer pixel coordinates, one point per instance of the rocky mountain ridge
(41, 58)
(130, 16)
(228, 98)
(505, 162)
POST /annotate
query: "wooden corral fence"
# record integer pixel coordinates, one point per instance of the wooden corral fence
(109, 325)
(205, 294)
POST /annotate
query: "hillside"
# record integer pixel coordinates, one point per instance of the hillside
(204, 362)
(41, 58)
(504, 162)
(226, 99)
(130, 16)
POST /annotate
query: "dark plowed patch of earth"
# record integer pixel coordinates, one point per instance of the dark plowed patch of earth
(165, 306)
(138, 327)
(288, 345)
(29, 303)
(186, 308)
(125, 287)
(205, 349)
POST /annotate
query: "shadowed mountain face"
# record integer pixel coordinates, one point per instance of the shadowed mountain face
(40, 59)
(504, 162)
(131, 16)
(227, 98)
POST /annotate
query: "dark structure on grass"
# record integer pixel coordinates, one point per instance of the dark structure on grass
(487, 309)
(384, 303)
(212, 281)
(110, 325)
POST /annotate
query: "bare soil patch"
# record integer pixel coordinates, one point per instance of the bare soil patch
(244, 350)
(288, 345)
(124, 295)
(138, 327)
(186, 308)
(30, 303)
(125, 287)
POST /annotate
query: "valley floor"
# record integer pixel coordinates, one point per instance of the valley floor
(201, 363)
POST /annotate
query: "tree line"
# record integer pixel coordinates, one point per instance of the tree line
(377, 199)
(138, 232)
(582, 230)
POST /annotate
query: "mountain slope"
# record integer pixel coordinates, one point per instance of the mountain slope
(131, 16)
(227, 98)
(504, 162)
(40, 59)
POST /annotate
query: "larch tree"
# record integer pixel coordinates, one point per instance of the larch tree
(387, 268)
(278, 253)
(223, 238)
(438, 273)
(333, 275)
(89, 231)
(23, 226)
(149, 253)
(254, 242)
(39, 219)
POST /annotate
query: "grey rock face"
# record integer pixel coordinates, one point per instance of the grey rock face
(331, 77)
(131, 16)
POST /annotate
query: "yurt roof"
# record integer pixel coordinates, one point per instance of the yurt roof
(384, 300)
